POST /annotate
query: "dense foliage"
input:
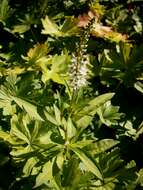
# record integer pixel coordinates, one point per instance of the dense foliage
(71, 90)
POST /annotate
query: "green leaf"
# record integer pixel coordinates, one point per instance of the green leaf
(126, 58)
(139, 131)
(21, 152)
(68, 28)
(4, 10)
(58, 68)
(6, 137)
(50, 27)
(106, 186)
(21, 28)
(87, 161)
(139, 86)
(50, 117)
(71, 130)
(84, 121)
(6, 102)
(109, 115)
(46, 177)
(57, 114)
(8, 95)
(17, 131)
(141, 177)
(84, 116)
(28, 107)
(103, 145)
(28, 167)
(125, 50)
(60, 160)
(37, 56)
(83, 143)
(25, 25)
(98, 101)
(70, 170)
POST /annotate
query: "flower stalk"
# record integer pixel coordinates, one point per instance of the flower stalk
(78, 70)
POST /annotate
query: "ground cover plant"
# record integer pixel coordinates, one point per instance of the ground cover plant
(71, 94)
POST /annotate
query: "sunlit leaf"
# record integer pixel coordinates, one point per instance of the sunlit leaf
(89, 110)
(67, 29)
(71, 130)
(57, 114)
(24, 25)
(17, 131)
(50, 27)
(6, 137)
(4, 10)
(109, 115)
(46, 177)
(28, 107)
(139, 86)
(29, 166)
(88, 162)
(21, 28)
(103, 145)
(141, 177)
(57, 71)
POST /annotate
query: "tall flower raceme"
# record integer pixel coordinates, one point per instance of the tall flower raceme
(79, 70)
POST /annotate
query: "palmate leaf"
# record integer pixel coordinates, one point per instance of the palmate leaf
(20, 152)
(71, 130)
(116, 171)
(107, 186)
(70, 171)
(67, 29)
(46, 177)
(50, 117)
(28, 167)
(5, 136)
(93, 104)
(129, 176)
(116, 174)
(24, 25)
(19, 131)
(141, 177)
(8, 96)
(88, 162)
(37, 55)
(139, 86)
(4, 10)
(52, 67)
(84, 115)
(124, 64)
(50, 27)
(58, 68)
(28, 107)
(139, 131)
(103, 145)
(29, 138)
(21, 28)
(6, 102)
(109, 115)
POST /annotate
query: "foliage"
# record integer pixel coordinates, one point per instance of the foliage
(70, 95)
